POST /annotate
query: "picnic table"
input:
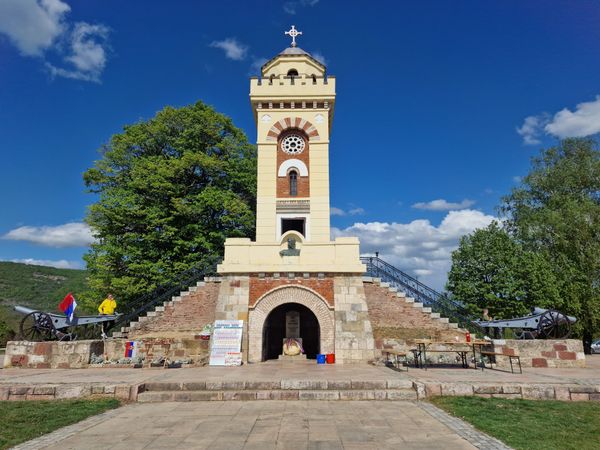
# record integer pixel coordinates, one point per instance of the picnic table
(461, 348)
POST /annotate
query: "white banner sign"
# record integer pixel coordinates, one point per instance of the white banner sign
(226, 339)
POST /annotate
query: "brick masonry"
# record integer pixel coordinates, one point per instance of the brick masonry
(187, 316)
(397, 323)
(286, 294)
(293, 122)
(260, 286)
(283, 185)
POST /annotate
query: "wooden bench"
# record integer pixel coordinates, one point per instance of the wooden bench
(420, 355)
(397, 354)
(510, 358)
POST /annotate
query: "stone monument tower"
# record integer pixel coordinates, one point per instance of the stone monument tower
(294, 264)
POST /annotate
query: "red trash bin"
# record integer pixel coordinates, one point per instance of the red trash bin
(330, 358)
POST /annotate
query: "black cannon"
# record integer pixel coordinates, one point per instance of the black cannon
(43, 326)
(540, 324)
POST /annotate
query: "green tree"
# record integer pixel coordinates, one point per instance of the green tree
(556, 211)
(171, 189)
(6, 333)
(491, 270)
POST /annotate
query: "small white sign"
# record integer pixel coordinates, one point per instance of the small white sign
(233, 359)
(226, 338)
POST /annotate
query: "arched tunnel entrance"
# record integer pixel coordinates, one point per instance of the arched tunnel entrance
(274, 331)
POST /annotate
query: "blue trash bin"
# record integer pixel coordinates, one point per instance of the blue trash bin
(321, 359)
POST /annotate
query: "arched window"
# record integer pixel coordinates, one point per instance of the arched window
(293, 176)
(314, 78)
(292, 73)
(271, 79)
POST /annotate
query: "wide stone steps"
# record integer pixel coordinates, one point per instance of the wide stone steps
(160, 309)
(278, 390)
(402, 296)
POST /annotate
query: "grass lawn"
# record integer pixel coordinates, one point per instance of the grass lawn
(24, 420)
(530, 424)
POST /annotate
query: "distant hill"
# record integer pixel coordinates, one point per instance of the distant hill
(37, 287)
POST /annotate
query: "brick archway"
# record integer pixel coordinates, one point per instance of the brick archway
(289, 294)
(293, 122)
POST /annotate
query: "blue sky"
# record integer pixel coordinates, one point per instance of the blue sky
(465, 93)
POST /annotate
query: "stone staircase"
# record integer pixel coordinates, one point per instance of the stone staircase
(285, 389)
(159, 310)
(401, 296)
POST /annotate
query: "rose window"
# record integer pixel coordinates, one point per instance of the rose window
(293, 144)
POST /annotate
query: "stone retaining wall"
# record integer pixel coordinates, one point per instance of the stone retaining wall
(172, 348)
(15, 392)
(76, 354)
(51, 355)
(558, 353)
(565, 392)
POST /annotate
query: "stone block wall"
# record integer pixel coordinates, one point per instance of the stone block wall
(354, 341)
(19, 392)
(232, 304)
(397, 322)
(51, 355)
(529, 391)
(561, 353)
(187, 316)
(171, 348)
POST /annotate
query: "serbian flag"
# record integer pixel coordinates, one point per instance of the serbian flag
(68, 306)
(130, 349)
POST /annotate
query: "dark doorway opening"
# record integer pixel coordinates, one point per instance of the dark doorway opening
(274, 331)
(294, 225)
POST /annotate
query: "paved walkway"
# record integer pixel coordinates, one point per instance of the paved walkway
(270, 425)
(275, 370)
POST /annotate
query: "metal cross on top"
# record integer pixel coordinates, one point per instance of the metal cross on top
(293, 33)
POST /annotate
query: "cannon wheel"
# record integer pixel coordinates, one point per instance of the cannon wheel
(554, 325)
(37, 326)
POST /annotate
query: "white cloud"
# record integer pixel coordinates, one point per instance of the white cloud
(356, 211)
(39, 28)
(87, 53)
(340, 212)
(319, 57)
(232, 48)
(443, 205)
(75, 234)
(291, 7)
(59, 264)
(32, 25)
(256, 65)
(531, 130)
(517, 179)
(418, 247)
(584, 121)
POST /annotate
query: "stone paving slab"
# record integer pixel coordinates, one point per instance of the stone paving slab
(561, 384)
(275, 371)
(269, 425)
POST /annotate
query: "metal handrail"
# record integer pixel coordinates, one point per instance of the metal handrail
(438, 302)
(164, 292)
